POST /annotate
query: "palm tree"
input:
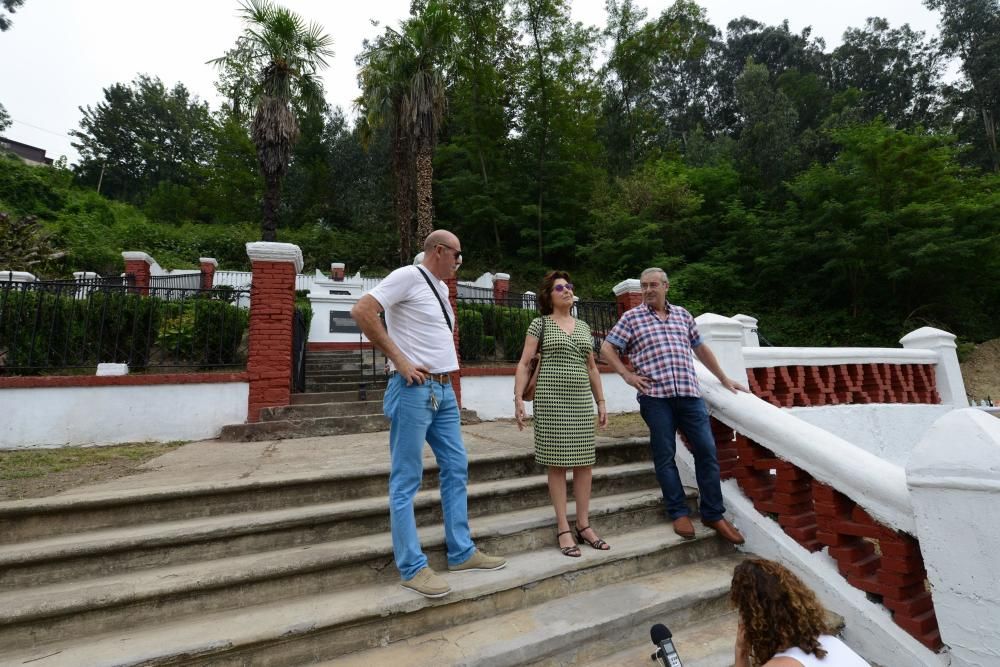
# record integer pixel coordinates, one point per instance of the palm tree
(286, 56)
(403, 88)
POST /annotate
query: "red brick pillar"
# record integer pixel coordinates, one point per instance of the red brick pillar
(272, 307)
(208, 267)
(501, 287)
(628, 294)
(337, 271)
(456, 377)
(138, 263)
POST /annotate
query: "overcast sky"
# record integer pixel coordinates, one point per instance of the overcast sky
(61, 53)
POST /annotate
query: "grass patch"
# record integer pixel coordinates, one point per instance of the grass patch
(30, 463)
(625, 425)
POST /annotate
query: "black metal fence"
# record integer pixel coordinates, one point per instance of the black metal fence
(63, 325)
(492, 332)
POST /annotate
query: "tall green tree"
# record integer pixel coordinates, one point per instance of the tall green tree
(970, 29)
(403, 86)
(5, 120)
(558, 103)
(286, 56)
(140, 135)
(11, 6)
(897, 70)
(472, 171)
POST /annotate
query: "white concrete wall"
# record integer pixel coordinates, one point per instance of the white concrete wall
(889, 432)
(492, 397)
(59, 416)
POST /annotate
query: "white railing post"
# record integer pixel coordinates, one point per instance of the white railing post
(954, 481)
(949, 374)
(750, 338)
(724, 335)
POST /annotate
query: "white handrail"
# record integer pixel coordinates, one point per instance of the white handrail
(769, 357)
(876, 485)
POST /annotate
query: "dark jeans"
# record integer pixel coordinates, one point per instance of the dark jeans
(665, 416)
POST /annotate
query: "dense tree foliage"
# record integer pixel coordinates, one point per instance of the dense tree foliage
(843, 196)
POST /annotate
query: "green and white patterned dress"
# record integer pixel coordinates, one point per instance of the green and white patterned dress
(564, 405)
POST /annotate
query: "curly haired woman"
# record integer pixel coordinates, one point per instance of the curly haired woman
(781, 623)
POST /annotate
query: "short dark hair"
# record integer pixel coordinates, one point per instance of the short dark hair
(545, 291)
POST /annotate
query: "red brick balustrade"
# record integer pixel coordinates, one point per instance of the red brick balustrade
(790, 386)
(878, 560)
(501, 288)
(208, 266)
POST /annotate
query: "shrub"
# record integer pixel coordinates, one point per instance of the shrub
(471, 342)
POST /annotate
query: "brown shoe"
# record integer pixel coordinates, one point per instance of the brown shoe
(684, 527)
(726, 530)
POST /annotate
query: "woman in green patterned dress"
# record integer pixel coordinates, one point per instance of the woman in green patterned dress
(568, 385)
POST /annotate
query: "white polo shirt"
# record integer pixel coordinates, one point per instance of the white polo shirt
(414, 319)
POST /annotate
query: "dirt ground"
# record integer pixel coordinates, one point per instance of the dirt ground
(981, 371)
(45, 472)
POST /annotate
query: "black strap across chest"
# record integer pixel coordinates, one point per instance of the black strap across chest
(444, 311)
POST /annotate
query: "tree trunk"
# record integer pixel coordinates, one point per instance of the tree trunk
(401, 168)
(425, 194)
(272, 196)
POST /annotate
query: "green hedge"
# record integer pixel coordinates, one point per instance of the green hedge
(41, 330)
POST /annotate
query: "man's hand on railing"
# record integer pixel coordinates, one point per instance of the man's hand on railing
(734, 386)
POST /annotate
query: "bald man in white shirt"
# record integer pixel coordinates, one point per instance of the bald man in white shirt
(421, 404)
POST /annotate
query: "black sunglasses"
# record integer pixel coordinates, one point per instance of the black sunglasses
(458, 253)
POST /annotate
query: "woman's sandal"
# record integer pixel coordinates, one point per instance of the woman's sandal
(573, 551)
(598, 544)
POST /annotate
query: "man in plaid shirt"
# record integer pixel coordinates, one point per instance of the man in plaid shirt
(658, 338)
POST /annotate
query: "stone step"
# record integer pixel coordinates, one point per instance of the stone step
(336, 396)
(312, 411)
(111, 552)
(63, 609)
(327, 377)
(322, 387)
(54, 516)
(307, 628)
(710, 643)
(610, 623)
(304, 428)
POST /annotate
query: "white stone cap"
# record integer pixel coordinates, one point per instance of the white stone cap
(629, 286)
(266, 251)
(529, 294)
(17, 277)
(928, 337)
(419, 259)
(85, 275)
(112, 370)
(746, 320)
(501, 276)
(336, 265)
(209, 260)
(719, 327)
(960, 450)
(135, 256)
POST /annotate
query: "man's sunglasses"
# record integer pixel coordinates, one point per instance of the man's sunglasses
(563, 286)
(458, 253)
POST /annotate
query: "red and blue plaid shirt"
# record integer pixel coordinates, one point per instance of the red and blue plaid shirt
(660, 350)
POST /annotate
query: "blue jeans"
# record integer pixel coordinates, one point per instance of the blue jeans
(665, 416)
(414, 421)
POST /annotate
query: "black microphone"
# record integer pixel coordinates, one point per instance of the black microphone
(665, 654)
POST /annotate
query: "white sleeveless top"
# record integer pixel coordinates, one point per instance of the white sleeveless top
(838, 654)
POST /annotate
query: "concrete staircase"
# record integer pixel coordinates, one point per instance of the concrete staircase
(343, 395)
(299, 570)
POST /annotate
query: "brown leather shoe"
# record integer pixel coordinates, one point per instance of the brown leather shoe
(684, 527)
(726, 530)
